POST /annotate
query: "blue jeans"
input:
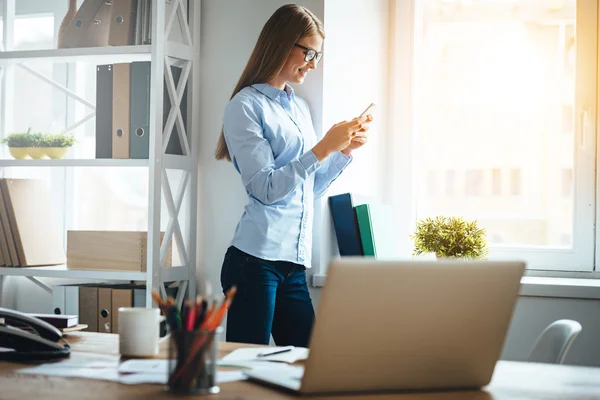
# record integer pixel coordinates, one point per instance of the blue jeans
(272, 298)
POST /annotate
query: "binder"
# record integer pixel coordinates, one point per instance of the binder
(88, 307)
(4, 255)
(120, 110)
(13, 259)
(104, 110)
(122, 23)
(91, 25)
(147, 24)
(139, 139)
(37, 235)
(65, 299)
(363, 216)
(345, 224)
(174, 146)
(139, 17)
(378, 233)
(104, 310)
(120, 298)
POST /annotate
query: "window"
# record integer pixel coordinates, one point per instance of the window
(496, 182)
(567, 183)
(474, 183)
(450, 182)
(567, 119)
(495, 85)
(432, 183)
(515, 182)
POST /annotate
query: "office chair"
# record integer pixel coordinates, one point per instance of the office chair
(554, 342)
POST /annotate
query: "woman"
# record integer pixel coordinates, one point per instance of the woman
(269, 137)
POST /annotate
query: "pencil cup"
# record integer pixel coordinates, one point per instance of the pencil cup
(193, 362)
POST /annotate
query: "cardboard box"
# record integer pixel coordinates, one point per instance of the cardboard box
(110, 250)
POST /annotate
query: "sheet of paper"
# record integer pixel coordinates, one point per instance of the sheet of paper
(105, 374)
(161, 379)
(138, 371)
(252, 354)
(145, 366)
(87, 361)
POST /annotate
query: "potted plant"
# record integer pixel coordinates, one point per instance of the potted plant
(56, 146)
(450, 237)
(22, 144)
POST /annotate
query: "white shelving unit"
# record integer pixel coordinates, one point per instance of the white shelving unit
(162, 53)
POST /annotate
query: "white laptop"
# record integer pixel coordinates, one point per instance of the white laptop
(405, 325)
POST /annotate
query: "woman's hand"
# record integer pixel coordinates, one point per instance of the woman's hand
(359, 141)
(340, 136)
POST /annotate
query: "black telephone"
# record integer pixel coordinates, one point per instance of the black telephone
(26, 338)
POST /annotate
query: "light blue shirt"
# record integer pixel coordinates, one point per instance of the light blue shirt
(270, 136)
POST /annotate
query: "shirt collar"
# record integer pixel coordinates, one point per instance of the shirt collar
(273, 93)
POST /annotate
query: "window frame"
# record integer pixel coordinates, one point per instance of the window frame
(576, 262)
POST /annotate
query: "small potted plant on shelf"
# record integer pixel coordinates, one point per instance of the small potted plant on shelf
(450, 237)
(56, 146)
(22, 145)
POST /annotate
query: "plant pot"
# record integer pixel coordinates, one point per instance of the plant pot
(56, 152)
(36, 152)
(20, 153)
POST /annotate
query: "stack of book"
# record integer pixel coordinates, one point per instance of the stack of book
(123, 111)
(29, 233)
(364, 227)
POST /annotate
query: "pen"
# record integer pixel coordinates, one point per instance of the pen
(272, 353)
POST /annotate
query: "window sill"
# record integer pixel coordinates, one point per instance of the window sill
(574, 288)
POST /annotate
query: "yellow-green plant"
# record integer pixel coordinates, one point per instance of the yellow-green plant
(23, 139)
(450, 237)
(57, 140)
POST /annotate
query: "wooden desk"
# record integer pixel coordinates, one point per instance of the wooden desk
(512, 380)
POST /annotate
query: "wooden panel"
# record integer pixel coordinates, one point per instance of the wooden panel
(37, 234)
(512, 380)
(109, 250)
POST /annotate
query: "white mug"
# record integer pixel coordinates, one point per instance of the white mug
(139, 331)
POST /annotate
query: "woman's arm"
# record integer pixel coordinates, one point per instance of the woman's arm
(253, 156)
(330, 169)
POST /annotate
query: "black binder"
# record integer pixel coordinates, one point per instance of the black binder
(104, 100)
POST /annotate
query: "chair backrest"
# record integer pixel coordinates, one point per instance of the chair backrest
(554, 342)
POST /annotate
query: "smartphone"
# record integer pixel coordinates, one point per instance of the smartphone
(367, 110)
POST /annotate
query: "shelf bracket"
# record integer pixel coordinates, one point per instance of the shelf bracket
(179, 12)
(163, 291)
(57, 86)
(77, 124)
(173, 223)
(40, 284)
(175, 96)
(181, 293)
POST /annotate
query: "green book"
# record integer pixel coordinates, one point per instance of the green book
(365, 228)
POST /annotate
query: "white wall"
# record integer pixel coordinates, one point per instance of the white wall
(355, 68)
(533, 314)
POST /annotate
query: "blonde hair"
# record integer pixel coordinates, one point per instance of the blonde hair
(282, 31)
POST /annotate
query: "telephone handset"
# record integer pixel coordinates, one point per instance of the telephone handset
(29, 338)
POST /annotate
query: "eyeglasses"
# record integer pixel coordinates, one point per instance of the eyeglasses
(310, 54)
